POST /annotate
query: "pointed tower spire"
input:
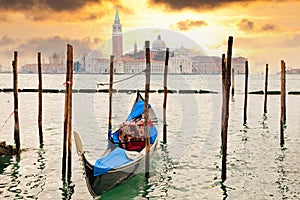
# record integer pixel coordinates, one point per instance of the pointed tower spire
(135, 47)
(117, 18)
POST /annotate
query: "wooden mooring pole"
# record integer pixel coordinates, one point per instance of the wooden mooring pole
(70, 85)
(223, 96)
(266, 88)
(67, 142)
(284, 94)
(165, 97)
(232, 84)
(226, 78)
(40, 99)
(111, 80)
(146, 110)
(65, 138)
(16, 104)
(283, 102)
(246, 92)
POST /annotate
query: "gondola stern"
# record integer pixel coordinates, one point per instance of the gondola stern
(78, 142)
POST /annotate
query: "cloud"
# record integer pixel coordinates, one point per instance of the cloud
(58, 43)
(48, 46)
(189, 24)
(3, 19)
(249, 26)
(58, 10)
(268, 27)
(55, 5)
(5, 40)
(246, 25)
(260, 42)
(292, 42)
(203, 4)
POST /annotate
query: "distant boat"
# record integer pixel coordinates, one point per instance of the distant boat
(291, 71)
(125, 154)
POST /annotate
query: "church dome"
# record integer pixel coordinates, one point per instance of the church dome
(158, 44)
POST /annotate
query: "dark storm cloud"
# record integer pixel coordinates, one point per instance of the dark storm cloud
(55, 5)
(71, 10)
(204, 4)
(59, 5)
(16, 5)
(196, 4)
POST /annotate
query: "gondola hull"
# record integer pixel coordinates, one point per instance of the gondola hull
(135, 162)
(98, 185)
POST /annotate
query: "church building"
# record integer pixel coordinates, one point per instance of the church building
(180, 59)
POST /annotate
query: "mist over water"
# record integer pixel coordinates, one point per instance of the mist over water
(187, 167)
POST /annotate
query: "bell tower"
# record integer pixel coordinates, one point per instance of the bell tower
(117, 37)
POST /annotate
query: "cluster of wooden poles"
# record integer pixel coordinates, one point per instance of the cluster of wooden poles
(67, 136)
(146, 102)
(67, 142)
(16, 102)
(227, 72)
(227, 77)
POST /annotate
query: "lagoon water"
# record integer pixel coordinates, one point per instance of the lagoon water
(187, 167)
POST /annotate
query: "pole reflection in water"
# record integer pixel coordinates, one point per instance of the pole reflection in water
(166, 168)
(14, 182)
(282, 181)
(36, 181)
(24, 180)
(67, 190)
(264, 121)
(163, 169)
(5, 161)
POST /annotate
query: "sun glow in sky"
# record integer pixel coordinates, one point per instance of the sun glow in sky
(264, 31)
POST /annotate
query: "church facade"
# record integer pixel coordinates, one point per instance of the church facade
(181, 61)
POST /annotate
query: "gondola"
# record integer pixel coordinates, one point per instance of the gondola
(123, 158)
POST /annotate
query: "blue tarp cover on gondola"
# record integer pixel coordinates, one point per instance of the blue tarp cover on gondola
(137, 110)
(117, 157)
(114, 159)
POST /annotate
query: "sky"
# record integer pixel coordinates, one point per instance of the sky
(264, 31)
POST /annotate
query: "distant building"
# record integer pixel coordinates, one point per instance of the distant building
(49, 68)
(181, 60)
(117, 37)
(207, 64)
(238, 63)
(57, 64)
